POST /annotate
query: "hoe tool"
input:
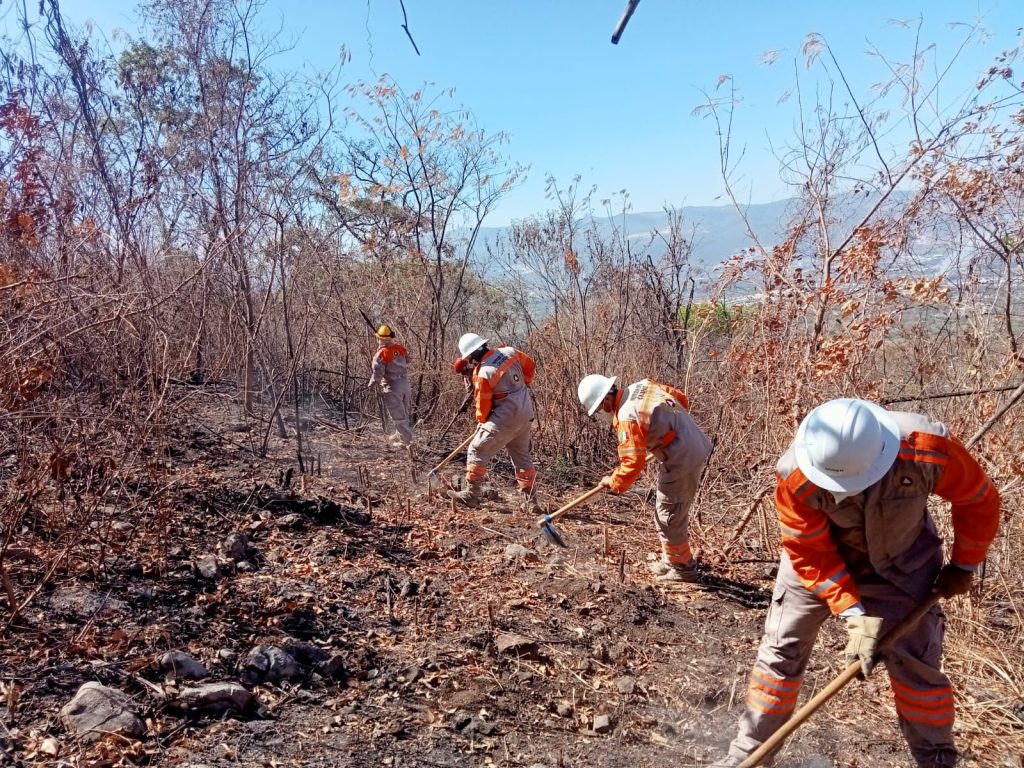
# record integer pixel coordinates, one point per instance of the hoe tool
(840, 681)
(549, 531)
(434, 478)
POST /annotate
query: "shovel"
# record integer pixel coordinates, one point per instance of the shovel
(840, 681)
(434, 478)
(549, 531)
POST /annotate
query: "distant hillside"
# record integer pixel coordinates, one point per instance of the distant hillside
(719, 233)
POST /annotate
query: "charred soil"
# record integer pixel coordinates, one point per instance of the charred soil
(425, 635)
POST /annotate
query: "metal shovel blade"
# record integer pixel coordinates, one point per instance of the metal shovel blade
(552, 535)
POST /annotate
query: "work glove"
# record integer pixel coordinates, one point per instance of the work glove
(606, 482)
(863, 632)
(952, 581)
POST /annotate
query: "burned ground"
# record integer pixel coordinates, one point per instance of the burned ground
(456, 637)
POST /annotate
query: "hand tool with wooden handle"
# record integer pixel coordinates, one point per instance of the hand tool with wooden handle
(434, 479)
(550, 532)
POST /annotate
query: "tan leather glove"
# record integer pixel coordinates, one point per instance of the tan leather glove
(864, 632)
(953, 581)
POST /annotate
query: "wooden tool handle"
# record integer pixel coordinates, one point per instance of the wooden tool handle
(578, 500)
(465, 443)
(775, 740)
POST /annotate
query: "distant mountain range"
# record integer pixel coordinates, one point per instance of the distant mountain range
(718, 232)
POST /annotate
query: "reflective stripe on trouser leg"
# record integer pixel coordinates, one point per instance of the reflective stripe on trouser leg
(397, 403)
(790, 629)
(519, 452)
(677, 487)
(475, 473)
(525, 478)
(485, 446)
(923, 694)
(676, 554)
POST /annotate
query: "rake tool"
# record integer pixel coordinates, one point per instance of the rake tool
(549, 531)
(840, 681)
(434, 478)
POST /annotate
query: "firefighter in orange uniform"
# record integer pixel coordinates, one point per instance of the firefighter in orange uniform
(654, 418)
(859, 544)
(504, 413)
(390, 371)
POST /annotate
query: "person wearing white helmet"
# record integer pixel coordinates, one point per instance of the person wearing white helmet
(649, 417)
(858, 543)
(389, 370)
(504, 412)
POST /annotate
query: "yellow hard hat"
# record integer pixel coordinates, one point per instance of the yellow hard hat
(385, 332)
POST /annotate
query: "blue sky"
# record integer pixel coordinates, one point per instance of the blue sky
(619, 116)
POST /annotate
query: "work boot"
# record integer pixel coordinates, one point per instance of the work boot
(529, 504)
(470, 496)
(683, 573)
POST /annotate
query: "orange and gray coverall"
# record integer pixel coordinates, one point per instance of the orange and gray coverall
(879, 548)
(390, 368)
(655, 417)
(504, 412)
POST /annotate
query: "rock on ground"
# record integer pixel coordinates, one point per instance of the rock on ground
(215, 698)
(515, 552)
(97, 710)
(306, 654)
(206, 566)
(268, 664)
(602, 723)
(178, 665)
(516, 645)
(238, 547)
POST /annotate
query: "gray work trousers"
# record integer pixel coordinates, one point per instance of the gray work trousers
(490, 439)
(677, 488)
(397, 402)
(924, 697)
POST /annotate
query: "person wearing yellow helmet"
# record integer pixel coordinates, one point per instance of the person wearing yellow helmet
(389, 371)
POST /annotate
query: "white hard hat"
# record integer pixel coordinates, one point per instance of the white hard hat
(470, 343)
(846, 445)
(593, 389)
